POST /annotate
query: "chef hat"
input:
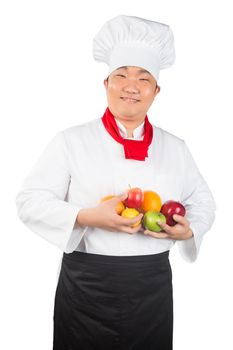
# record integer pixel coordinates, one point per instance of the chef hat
(134, 41)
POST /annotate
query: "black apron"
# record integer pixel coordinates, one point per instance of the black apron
(108, 302)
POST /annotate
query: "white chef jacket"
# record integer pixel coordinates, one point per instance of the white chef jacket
(84, 163)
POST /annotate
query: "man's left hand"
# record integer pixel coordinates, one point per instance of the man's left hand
(181, 231)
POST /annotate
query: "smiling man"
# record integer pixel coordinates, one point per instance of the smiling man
(115, 283)
(130, 93)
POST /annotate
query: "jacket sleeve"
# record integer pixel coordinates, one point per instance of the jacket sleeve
(200, 207)
(41, 202)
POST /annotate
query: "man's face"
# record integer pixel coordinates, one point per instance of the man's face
(130, 92)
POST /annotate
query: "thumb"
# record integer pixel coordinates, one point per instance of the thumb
(117, 199)
(122, 196)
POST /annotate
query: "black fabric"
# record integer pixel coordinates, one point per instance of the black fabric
(114, 303)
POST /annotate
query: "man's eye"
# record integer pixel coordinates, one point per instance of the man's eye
(121, 75)
(144, 79)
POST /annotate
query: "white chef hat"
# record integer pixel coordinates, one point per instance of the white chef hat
(134, 41)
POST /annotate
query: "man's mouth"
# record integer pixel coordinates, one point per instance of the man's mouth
(129, 99)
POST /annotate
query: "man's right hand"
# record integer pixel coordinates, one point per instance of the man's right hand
(104, 216)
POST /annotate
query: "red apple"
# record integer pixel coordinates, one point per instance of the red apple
(170, 208)
(135, 198)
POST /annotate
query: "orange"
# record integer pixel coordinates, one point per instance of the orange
(120, 206)
(131, 213)
(151, 201)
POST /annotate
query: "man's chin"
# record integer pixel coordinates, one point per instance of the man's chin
(128, 112)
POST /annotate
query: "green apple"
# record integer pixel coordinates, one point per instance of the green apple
(151, 218)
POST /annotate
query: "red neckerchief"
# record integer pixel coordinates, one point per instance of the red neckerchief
(134, 149)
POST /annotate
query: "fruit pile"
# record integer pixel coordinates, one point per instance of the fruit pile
(149, 203)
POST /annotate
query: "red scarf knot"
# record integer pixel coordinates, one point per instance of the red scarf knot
(134, 149)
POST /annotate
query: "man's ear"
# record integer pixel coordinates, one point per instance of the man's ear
(106, 83)
(157, 90)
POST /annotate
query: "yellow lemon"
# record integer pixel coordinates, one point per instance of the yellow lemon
(131, 213)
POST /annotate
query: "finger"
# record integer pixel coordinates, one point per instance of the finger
(129, 222)
(180, 219)
(166, 227)
(116, 199)
(122, 196)
(142, 229)
(131, 230)
(156, 234)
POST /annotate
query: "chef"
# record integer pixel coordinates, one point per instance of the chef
(115, 283)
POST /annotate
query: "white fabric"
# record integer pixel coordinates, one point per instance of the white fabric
(134, 41)
(42, 203)
(138, 133)
(84, 163)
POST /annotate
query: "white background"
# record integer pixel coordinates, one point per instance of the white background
(49, 81)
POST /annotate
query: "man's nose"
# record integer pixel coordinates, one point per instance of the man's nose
(131, 86)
